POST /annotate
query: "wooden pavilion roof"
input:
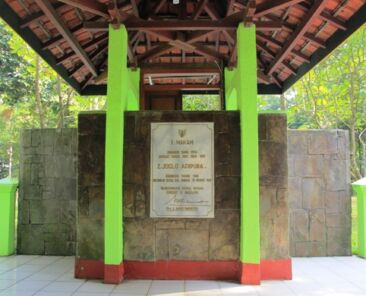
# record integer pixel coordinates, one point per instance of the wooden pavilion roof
(183, 44)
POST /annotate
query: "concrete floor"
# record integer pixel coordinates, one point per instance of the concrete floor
(53, 276)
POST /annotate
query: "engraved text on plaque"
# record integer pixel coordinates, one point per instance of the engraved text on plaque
(182, 170)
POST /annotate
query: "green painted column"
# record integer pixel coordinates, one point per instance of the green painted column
(117, 92)
(247, 100)
(8, 189)
(231, 96)
(360, 188)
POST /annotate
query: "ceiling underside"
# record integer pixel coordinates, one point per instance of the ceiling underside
(183, 44)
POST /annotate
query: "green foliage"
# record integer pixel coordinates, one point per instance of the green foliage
(58, 104)
(201, 103)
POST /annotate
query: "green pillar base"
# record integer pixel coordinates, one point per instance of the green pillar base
(360, 188)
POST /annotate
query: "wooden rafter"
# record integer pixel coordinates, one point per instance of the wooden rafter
(86, 47)
(31, 19)
(92, 6)
(273, 6)
(297, 35)
(199, 9)
(65, 32)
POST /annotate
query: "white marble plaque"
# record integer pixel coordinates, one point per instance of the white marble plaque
(182, 170)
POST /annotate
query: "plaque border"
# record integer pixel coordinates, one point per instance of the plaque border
(211, 213)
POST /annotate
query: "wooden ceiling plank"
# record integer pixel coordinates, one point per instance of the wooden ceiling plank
(297, 34)
(267, 7)
(51, 13)
(31, 19)
(85, 47)
(315, 40)
(92, 6)
(334, 21)
(230, 7)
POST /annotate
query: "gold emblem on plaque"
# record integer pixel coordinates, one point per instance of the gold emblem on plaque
(182, 133)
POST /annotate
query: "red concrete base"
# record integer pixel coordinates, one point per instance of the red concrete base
(179, 270)
(89, 269)
(280, 269)
(248, 274)
(113, 274)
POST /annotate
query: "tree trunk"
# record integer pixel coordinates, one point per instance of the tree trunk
(60, 123)
(38, 93)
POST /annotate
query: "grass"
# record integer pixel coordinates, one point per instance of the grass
(354, 226)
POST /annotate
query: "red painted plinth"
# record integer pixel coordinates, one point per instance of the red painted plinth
(113, 274)
(280, 269)
(182, 270)
(89, 269)
(250, 274)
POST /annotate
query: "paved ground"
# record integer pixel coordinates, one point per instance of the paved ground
(53, 276)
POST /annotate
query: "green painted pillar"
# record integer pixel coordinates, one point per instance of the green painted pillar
(133, 101)
(117, 93)
(247, 100)
(360, 188)
(231, 96)
(8, 189)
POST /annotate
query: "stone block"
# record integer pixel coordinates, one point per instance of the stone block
(300, 225)
(338, 220)
(90, 244)
(128, 201)
(343, 144)
(170, 224)
(295, 192)
(323, 142)
(309, 166)
(224, 238)
(332, 201)
(140, 202)
(44, 211)
(162, 245)
(312, 193)
(188, 244)
(139, 239)
(26, 138)
(317, 225)
(32, 192)
(30, 240)
(277, 128)
(65, 188)
(23, 211)
(297, 142)
(338, 241)
(302, 249)
(267, 199)
(36, 137)
(222, 149)
(262, 127)
(199, 225)
(135, 170)
(227, 193)
(273, 159)
(221, 123)
(335, 172)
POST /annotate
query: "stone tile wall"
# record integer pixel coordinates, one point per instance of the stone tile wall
(47, 195)
(319, 193)
(182, 239)
(274, 212)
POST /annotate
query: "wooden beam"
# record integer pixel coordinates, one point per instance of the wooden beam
(51, 13)
(135, 8)
(28, 20)
(230, 7)
(92, 6)
(297, 35)
(334, 21)
(54, 41)
(86, 47)
(93, 56)
(267, 7)
(199, 9)
(315, 40)
(175, 87)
